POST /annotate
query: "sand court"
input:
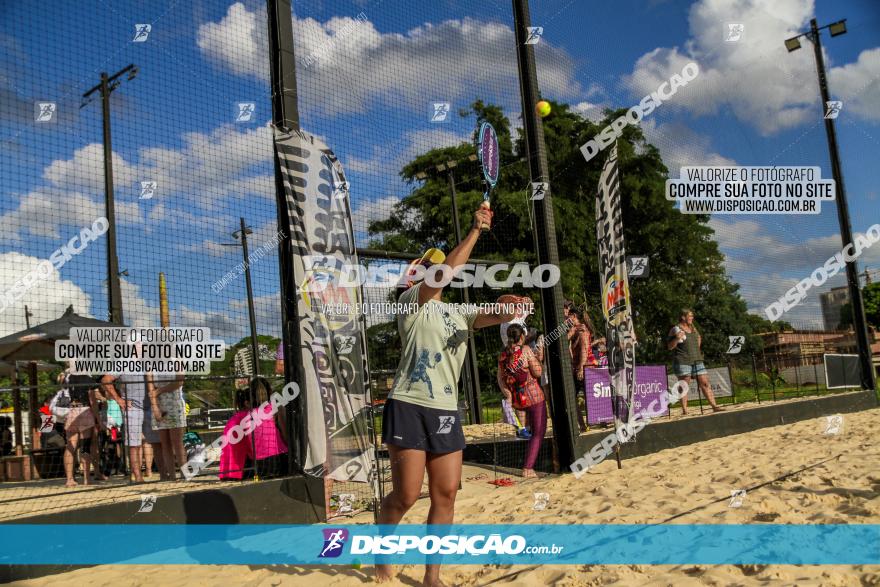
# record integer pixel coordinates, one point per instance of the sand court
(792, 474)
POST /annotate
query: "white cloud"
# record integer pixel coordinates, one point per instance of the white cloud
(766, 264)
(238, 41)
(228, 163)
(47, 300)
(681, 146)
(755, 77)
(858, 85)
(592, 112)
(448, 60)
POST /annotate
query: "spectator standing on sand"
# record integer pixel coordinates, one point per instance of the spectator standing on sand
(581, 355)
(684, 341)
(521, 372)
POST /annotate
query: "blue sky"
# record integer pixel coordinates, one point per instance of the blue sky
(368, 93)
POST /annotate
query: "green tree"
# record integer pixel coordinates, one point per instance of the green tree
(686, 266)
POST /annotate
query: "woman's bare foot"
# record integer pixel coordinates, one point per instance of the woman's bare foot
(529, 474)
(684, 412)
(717, 409)
(433, 582)
(70, 483)
(384, 574)
(100, 477)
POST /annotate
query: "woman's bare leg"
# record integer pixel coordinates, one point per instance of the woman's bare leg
(86, 457)
(134, 456)
(96, 457)
(684, 398)
(444, 477)
(164, 448)
(72, 442)
(149, 455)
(703, 383)
(407, 474)
(178, 449)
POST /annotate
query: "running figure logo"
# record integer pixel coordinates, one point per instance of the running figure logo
(535, 33)
(147, 503)
(44, 111)
(441, 112)
(736, 344)
(148, 190)
(539, 189)
(446, 423)
(334, 540)
(420, 370)
(832, 109)
(141, 32)
(833, 424)
(637, 266)
(734, 32)
(245, 111)
(736, 498)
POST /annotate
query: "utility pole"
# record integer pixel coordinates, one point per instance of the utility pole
(106, 87)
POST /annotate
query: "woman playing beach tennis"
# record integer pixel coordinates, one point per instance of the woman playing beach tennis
(421, 425)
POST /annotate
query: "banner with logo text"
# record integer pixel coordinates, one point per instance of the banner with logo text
(620, 334)
(474, 544)
(333, 346)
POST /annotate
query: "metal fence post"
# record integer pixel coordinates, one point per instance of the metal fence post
(755, 378)
(732, 383)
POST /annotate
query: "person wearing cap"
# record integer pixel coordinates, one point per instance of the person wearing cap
(421, 425)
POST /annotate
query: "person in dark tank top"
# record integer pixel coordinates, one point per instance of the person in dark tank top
(684, 341)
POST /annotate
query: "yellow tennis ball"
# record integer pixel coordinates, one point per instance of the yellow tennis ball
(542, 108)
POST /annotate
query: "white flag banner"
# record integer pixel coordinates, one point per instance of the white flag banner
(336, 375)
(620, 334)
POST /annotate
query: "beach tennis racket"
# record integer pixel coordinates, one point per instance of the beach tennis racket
(487, 149)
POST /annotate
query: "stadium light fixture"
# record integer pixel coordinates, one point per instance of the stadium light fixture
(472, 157)
(793, 44)
(441, 167)
(421, 175)
(451, 164)
(837, 28)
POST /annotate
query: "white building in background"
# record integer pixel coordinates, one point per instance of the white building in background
(832, 301)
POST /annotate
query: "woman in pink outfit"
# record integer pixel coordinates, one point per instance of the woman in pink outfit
(233, 457)
(268, 450)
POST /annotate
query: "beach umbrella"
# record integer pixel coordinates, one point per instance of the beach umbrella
(38, 342)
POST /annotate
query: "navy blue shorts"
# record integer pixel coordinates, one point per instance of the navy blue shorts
(412, 426)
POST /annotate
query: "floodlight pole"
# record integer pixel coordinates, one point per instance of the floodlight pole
(852, 277)
(565, 426)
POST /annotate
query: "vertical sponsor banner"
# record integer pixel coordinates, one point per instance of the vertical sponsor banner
(333, 346)
(620, 334)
